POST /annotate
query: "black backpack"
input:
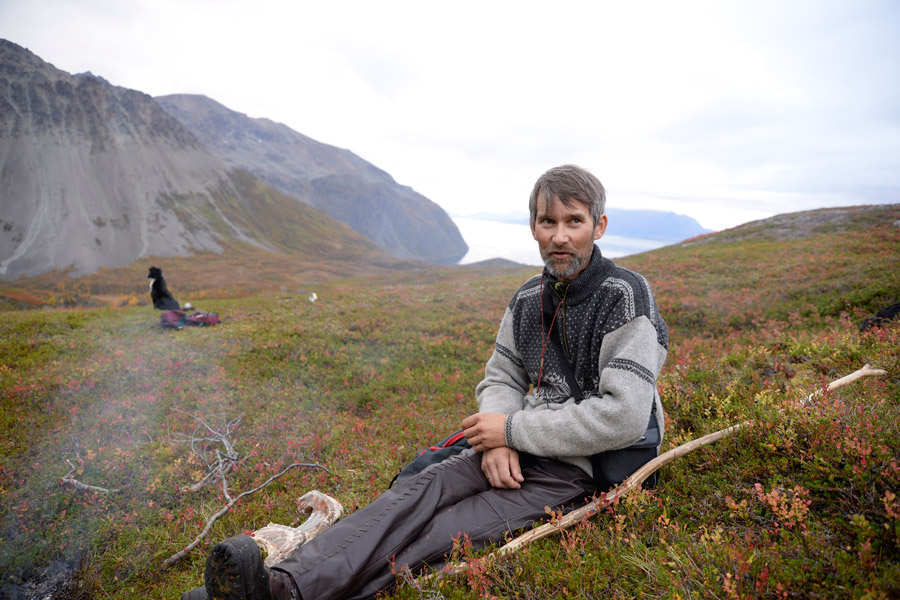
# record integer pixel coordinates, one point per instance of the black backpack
(451, 445)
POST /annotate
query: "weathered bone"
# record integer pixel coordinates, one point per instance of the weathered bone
(280, 541)
(232, 500)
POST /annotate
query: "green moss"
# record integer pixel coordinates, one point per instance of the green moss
(380, 367)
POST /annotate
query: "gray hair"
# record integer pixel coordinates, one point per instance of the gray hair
(568, 183)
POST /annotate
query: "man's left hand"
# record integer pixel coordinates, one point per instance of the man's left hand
(485, 431)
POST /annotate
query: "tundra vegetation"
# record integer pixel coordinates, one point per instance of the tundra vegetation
(802, 503)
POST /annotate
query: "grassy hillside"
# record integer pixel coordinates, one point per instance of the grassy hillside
(803, 503)
(287, 245)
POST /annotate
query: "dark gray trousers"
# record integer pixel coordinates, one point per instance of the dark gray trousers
(415, 523)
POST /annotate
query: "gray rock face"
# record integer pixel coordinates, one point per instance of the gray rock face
(93, 175)
(90, 174)
(333, 180)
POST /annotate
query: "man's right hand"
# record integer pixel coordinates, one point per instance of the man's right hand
(501, 467)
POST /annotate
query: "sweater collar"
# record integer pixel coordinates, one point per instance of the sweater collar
(587, 281)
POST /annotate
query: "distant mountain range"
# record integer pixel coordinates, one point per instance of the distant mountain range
(656, 225)
(334, 181)
(94, 175)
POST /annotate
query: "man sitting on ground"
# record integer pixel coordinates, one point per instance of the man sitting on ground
(532, 439)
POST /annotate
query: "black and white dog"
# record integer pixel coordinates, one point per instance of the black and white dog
(159, 293)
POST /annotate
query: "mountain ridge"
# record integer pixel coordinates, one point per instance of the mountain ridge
(210, 275)
(95, 175)
(755, 326)
(334, 180)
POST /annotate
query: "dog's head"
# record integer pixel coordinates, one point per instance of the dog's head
(155, 273)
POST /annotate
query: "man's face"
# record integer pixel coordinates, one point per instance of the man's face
(565, 235)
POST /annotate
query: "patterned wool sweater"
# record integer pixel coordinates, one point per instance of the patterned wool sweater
(617, 343)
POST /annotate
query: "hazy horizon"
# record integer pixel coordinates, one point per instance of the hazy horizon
(491, 239)
(725, 111)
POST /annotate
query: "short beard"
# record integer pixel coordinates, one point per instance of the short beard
(575, 264)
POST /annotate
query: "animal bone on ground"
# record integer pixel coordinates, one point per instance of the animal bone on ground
(280, 541)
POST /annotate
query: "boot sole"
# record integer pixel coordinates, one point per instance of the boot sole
(234, 571)
(195, 594)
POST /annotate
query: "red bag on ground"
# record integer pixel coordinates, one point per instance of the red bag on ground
(176, 319)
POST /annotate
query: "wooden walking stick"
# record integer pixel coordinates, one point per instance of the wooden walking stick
(638, 477)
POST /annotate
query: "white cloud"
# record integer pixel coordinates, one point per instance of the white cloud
(723, 111)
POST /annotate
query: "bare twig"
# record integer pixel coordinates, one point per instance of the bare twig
(405, 574)
(224, 510)
(216, 449)
(67, 479)
(866, 371)
(205, 481)
(206, 442)
(637, 478)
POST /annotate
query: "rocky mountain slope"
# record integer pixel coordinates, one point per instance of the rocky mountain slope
(334, 180)
(93, 175)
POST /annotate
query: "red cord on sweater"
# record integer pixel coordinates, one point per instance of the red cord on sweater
(545, 341)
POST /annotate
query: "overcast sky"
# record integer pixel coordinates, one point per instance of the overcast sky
(726, 111)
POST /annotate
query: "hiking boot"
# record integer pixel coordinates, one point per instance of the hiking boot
(198, 593)
(235, 571)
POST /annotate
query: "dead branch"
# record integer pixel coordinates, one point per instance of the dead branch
(224, 510)
(637, 478)
(67, 479)
(866, 371)
(405, 574)
(205, 481)
(205, 442)
(216, 449)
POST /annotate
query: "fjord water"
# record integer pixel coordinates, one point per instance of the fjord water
(492, 239)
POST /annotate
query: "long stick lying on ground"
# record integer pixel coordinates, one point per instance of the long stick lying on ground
(638, 477)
